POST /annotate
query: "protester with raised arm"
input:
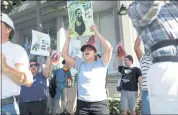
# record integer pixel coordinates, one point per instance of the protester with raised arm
(33, 100)
(130, 80)
(91, 86)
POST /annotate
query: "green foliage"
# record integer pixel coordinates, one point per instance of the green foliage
(115, 109)
(138, 108)
(9, 5)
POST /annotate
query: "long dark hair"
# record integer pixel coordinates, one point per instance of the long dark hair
(12, 30)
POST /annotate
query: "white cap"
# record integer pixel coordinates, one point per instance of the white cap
(5, 18)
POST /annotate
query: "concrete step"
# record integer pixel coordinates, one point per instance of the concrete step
(112, 84)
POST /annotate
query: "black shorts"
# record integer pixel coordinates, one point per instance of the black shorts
(33, 108)
(92, 108)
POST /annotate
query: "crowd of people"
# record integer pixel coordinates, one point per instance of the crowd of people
(24, 87)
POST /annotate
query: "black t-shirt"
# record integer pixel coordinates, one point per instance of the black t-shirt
(129, 78)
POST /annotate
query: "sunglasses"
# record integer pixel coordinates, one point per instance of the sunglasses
(88, 48)
(33, 65)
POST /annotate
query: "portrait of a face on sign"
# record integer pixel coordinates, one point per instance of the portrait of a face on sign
(80, 15)
(120, 50)
(55, 57)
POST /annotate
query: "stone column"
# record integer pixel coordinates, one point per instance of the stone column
(61, 35)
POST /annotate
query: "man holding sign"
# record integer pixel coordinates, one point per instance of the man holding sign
(33, 100)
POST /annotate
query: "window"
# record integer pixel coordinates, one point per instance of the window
(53, 35)
(27, 42)
(27, 46)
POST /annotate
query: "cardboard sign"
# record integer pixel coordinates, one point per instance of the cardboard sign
(75, 45)
(40, 43)
(80, 15)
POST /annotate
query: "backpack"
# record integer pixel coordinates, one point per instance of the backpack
(67, 82)
(52, 87)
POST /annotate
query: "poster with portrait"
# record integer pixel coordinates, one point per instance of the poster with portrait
(80, 15)
(40, 43)
(74, 48)
(55, 57)
(120, 50)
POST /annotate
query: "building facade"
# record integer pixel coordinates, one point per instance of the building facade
(115, 28)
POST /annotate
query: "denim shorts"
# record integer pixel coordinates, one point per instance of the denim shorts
(145, 103)
(128, 100)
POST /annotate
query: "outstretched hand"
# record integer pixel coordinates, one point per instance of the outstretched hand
(93, 28)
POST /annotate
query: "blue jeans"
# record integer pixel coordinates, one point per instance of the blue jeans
(12, 109)
(145, 103)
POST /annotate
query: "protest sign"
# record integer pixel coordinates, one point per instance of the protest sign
(80, 15)
(55, 57)
(120, 50)
(75, 46)
(40, 43)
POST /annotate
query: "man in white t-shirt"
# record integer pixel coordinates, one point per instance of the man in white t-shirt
(14, 67)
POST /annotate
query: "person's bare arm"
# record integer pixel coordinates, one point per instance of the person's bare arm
(47, 69)
(140, 86)
(65, 51)
(21, 75)
(140, 83)
(137, 49)
(108, 47)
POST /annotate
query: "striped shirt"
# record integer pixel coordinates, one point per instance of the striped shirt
(156, 21)
(145, 63)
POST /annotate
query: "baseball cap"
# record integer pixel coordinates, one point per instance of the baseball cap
(88, 45)
(5, 18)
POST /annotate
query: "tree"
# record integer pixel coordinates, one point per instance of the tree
(9, 5)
